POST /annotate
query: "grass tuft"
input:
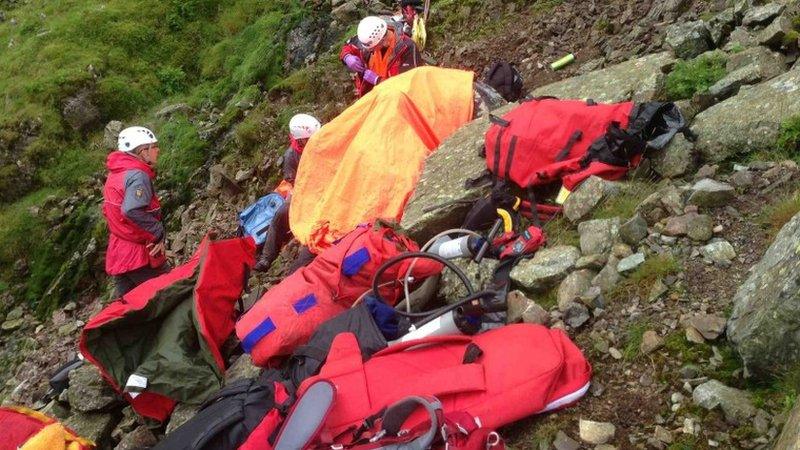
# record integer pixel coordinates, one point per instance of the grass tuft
(778, 213)
(697, 75)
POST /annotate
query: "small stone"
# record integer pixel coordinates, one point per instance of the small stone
(663, 434)
(596, 432)
(621, 251)
(694, 336)
(706, 171)
(587, 196)
(591, 262)
(139, 438)
(720, 252)
(634, 230)
(573, 287)
(742, 179)
(699, 227)
(690, 371)
(630, 263)
(71, 306)
(735, 404)
(547, 268)
(676, 159)
(11, 325)
(710, 193)
(576, 315)
(92, 426)
(535, 314)
(616, 354)
(178, 108)
(15, 313)
(688, 39)
(608, 278)
(657, 291)
(677, 397)
(244, 175)
(711, 327)
(651, 342)
(598, 236)
(564, 442)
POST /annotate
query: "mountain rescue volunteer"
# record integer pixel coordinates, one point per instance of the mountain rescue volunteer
(136, 250)
(379, 51)
(301, 128)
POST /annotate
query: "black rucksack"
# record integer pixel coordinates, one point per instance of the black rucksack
(505, 79)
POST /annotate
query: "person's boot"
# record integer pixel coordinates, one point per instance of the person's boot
(262, 265)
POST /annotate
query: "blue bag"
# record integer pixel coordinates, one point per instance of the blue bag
(255, 219)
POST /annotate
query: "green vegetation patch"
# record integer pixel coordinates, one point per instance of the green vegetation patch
(697, 75)
(640, 281)
(777, 214)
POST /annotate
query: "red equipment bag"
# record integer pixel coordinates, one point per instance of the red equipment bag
(161, 342)
(547, 140)
(286, 316)
(498, 377)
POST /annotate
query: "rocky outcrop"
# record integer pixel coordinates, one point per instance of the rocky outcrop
(750, 121)
(765, 324)
(441, 199)
(790, 438)
(689, 39)
(639, 80)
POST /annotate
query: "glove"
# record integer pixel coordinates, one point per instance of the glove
(354, 63)
(371, 77)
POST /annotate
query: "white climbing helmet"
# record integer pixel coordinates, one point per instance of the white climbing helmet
(302, 126)
(133, 137)
(371, 30)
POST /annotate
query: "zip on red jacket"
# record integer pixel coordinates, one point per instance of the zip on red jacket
(132, 211)
(406, 57)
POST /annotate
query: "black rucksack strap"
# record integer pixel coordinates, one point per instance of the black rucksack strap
(576, 136)
(510, 157)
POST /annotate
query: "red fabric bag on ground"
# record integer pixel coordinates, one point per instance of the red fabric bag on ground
(286, 316)
(500, 376)
(161, 342)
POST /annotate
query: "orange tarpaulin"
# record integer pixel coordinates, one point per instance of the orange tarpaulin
(365, 163)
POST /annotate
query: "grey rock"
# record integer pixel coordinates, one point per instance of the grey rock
(621, 250)
(651, 342)
(608, 278)
(639, 80)
(92, 426)
(80, 111)
(773, 35)
(790, 437)
(573, 287)
(737, 405)
(137, 439)
(663, 434)
(12, 325)
(598, 236)
(347, 12)
(742, 179)
(761, 15)
(688, 39)
(576, 315)
(596, 432)
(243, 175)
(591, 262)
(587, 196)
(750, 121)
(220, 183)
(700, 227)
(630, 263)
(442, 183)
(535, 314)
(182, 413)
(634, 230)
(708, 193)
(721, 26)
(88, 392)
(676, 159)
(170, 110)
(548, 267)
(730, 84)
(763, 326)
(668, 9)
(452, 289)
(241, 369)
(564, 442)
(710, 326)
(657, 291)
(720, 252)
(770, 63)
(111, 133)
(740, 38)
(521, 308)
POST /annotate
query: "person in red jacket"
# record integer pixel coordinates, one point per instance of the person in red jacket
(379, 51)
(133, 212)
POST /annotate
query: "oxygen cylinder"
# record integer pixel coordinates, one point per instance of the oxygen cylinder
(440, 326)
(463, 247)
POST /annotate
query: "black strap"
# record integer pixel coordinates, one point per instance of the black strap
(221, 422)
(472, 353)
(510, 157)
(534, 209)
(590, 102)
(497, 144)
(576, 136)
(499, 121)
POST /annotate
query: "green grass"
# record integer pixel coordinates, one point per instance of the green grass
(685, 442)
(774, 216)
(633, 339)
(641, 280)
(560, 231)
(697, 75)
(623, 205)
(789, 137)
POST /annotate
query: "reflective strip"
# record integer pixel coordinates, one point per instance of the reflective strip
(305, 303)
(355, 261)
(254, 337)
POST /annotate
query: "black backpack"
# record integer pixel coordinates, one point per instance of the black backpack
(505, 79)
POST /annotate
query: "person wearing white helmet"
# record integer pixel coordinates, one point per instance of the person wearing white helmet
(301, 128)
(379, 50)
(133, 212)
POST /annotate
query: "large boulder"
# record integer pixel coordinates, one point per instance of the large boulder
(790, 438)
(750, 121)
(441, 199)
(638, 79)
(765, 324)
(762, 15)
(689, 39)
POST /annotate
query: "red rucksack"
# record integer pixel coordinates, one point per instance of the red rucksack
(286, 316)
(499, 376)
(546, 140)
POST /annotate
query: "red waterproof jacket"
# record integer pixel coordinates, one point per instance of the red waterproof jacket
(405, 57)
(132, 211)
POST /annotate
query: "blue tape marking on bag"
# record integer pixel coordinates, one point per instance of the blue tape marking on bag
(305, 303)
(355, 261)
(264, 328)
